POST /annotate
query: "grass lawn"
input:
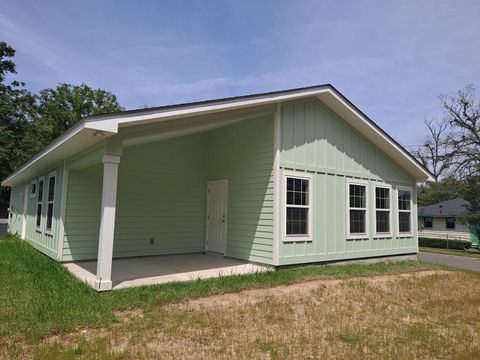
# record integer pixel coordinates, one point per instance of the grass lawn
(471, 253)
(407, 309)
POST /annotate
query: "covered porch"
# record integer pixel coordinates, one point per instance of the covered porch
(152, 270)
(157, 200)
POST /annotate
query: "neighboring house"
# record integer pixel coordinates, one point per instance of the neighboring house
(441, 220)
(288, 177)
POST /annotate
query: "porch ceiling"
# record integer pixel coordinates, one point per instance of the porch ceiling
(133, 272)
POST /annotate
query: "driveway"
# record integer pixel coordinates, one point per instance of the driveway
(451, 260)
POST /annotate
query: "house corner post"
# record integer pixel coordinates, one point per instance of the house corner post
(107, 222)
(276, 185)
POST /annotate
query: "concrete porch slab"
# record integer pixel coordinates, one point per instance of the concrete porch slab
(162, 269)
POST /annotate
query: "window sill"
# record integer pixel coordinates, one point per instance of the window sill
(382, 236)
(290, 239)
(358, 237)
(404, 235)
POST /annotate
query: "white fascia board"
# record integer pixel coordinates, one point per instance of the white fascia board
(74, 140)
(161, 115)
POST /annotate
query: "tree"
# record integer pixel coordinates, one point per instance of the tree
(16, 111)
(436, 152)
(61, 108)
(452, 146)
(29, 122)
(463, 115)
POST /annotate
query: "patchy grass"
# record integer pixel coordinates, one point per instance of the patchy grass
(466, 253)
(38, 296)
(406, 309)
(410, 315)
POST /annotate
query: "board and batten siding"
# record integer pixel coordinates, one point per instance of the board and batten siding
(315, 141)
(242, 153)
(38, 236)
(160, 202)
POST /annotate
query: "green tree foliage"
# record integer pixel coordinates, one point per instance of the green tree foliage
(446, 189)
(29, 122)
(61, 108)
(16, 111)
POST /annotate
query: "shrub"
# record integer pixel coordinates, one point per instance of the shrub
(444, 243)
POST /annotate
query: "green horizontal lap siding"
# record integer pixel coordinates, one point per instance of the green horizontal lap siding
(243, 154)
(82, 214)
(161, 196)
(316, 141)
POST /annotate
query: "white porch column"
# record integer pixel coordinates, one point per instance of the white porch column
(107, 223)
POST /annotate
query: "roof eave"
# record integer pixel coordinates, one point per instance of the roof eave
(326, 93)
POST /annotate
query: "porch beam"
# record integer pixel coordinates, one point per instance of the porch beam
(107, 223)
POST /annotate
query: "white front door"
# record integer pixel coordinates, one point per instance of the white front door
(217, 216)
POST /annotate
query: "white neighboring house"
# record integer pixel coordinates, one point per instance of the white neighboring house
(441, 220)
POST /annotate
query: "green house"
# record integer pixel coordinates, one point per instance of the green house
(288, 177)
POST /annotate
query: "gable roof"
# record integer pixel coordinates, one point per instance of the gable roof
(454, 207)
(83, 134)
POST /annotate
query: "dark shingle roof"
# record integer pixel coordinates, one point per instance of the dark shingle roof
(452, 207)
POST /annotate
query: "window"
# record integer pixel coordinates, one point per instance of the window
(450, 223)
(428, 222)
(33, 188)
(50, 201)
(357, 210)
(39, 203)
(404, 211)
(382, 210)
(298, 207)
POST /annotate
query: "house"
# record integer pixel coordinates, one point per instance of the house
(441, 220)
(281, 178)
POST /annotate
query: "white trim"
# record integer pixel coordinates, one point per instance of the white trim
(390, 210)
(359, 182)
(107, 227)
(108, 125)
(225, 232)
(23, 234)
(52, 174)
(34, 194)
(56, 143)
(40, 179)
(276, 186)
(304, 176)
(63, 207)
(111, 159)
(410, 233)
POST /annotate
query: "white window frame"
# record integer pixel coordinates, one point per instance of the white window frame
(390, 210)
(399, 233)
(53, 174)
(34, 194)
(41, 178)
(303, 176)
(359, 182)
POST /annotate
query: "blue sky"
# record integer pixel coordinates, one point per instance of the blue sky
(390, 58)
